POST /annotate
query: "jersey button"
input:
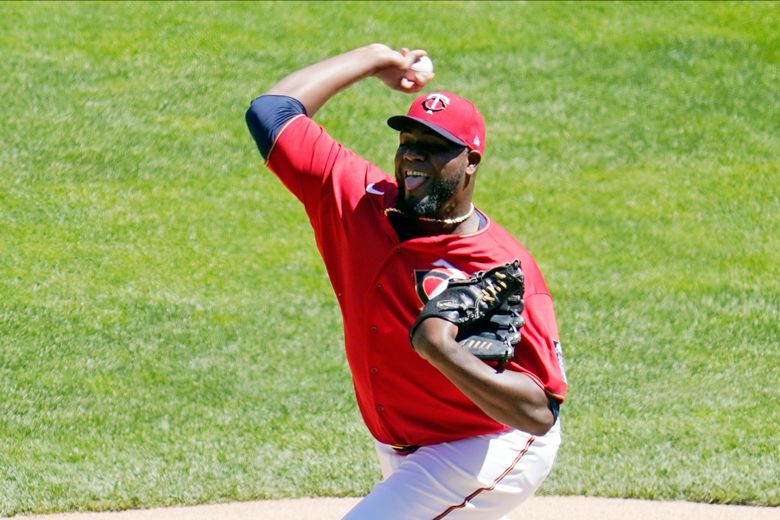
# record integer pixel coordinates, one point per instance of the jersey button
(379, 286)
(374, 329)
(380, 408)
(374, 370)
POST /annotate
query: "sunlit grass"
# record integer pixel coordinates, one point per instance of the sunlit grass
(168, 334)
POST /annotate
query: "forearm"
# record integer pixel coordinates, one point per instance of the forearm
(316, 84)
(508, 397)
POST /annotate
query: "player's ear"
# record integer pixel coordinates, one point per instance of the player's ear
(474, 158)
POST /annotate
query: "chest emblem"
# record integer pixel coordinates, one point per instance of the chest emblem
(431, 283)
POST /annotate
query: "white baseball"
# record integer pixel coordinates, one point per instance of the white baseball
(422, 67)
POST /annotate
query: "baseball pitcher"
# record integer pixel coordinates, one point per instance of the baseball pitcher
(449, 328)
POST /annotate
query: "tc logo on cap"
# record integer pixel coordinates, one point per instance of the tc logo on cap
(435, 103)
(447, 114)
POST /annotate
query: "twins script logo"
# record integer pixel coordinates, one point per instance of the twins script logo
(435, 103)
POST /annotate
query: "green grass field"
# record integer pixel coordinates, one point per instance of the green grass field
(167, 331)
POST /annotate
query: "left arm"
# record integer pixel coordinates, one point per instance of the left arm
(509, 397)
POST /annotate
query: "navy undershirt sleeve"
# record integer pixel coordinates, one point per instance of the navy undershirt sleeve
(267, 115)
(555, 407)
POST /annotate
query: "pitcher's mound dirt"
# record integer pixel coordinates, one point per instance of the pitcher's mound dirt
(537, 508)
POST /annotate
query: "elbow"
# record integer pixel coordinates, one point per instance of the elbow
(532, 410)
(542, 425)
(537, 420)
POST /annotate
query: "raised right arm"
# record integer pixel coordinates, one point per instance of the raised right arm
(306, 90)
(314, 85)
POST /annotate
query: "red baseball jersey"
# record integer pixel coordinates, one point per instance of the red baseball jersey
(381, 284)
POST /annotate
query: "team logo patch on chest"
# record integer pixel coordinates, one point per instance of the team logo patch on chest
(431, 283)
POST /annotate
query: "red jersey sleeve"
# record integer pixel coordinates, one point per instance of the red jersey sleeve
(312, 165)
(539, 353)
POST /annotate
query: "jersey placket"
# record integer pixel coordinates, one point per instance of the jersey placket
(388, 285)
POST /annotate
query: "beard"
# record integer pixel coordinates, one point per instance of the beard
(430, 203)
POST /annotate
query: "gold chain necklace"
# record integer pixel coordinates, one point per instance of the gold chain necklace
(447, 221)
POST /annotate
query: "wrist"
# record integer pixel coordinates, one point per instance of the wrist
(380, 56)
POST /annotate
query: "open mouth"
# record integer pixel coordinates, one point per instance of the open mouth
(413, 179)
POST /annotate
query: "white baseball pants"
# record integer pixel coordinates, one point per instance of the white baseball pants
(477, 478)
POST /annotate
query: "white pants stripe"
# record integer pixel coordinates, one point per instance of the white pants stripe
(477, 478)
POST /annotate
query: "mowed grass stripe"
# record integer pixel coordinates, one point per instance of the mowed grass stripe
(168, 334)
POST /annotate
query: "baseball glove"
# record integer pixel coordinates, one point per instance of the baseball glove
(486, 308)
(494, 338)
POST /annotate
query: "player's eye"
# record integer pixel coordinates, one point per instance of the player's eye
(436, 147)
(414, 146)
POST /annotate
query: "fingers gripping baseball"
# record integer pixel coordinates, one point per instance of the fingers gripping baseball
(408, 71)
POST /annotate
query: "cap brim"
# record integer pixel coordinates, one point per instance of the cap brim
(403, 122)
